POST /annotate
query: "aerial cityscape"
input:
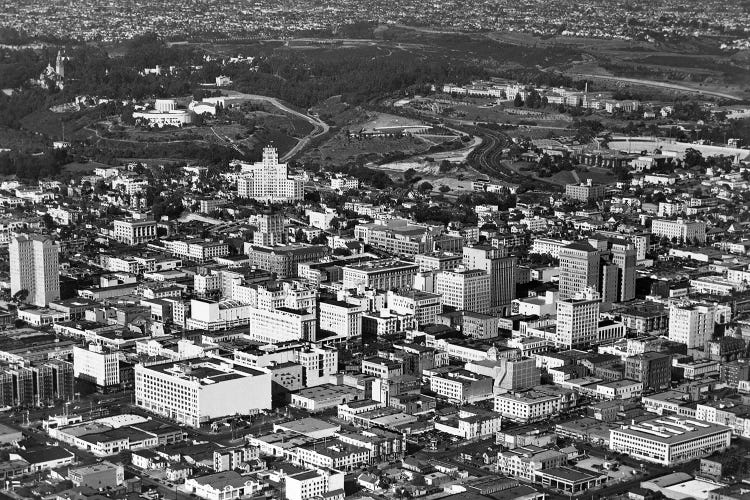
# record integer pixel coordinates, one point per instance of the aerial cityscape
(328, 250)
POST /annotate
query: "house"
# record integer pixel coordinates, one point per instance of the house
(368, 481)
(222, 485)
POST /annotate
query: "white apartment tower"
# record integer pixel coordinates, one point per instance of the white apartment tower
(578, 320)
(691, 323)
(269, 181)
(34, 266)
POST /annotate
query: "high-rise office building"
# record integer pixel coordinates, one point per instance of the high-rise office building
(578, 320)
(271, 230)
(579, 268)
(499, 266)
(608, 273)
(464, 289)
(624, 255)
(654, 369)
(691, 323)
(34, 266)
(618, 261)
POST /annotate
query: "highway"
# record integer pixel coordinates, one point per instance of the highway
(320, 127)
(665, 85)
(487, 158)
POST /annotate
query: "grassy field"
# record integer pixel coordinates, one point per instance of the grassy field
(82, 168)
(340, 148)
(54, 124)
(21, 140)
(378, 120)
(338, 113)
(458, 180)
(248, 127)
(581, 174)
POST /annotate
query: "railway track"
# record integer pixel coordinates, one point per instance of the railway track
(487, 158)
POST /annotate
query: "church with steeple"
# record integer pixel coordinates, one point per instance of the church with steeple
(53, 77)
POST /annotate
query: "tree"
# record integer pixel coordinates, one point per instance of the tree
(409, 174)
(100, 187)
(425, 187)
(518, 101)
(312, 197)
(445, 166)
(335, 223)
(320, 239)
(20, 296)
(49, 223)
(534, 100)
(693, 158)
(444, 188)
(299, 236)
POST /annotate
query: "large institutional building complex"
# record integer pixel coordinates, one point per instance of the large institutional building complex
(195, 391)
(680, 229)
(269, 181)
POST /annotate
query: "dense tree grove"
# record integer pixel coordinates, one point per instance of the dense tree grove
(357, 74)
(47, 164)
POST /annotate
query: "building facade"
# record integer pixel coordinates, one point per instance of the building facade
(579, 269)
(193, 392)
(34, 267)
(269, 181)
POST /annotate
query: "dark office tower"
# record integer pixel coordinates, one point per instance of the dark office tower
(624, 256)
(6, 388)
(61, 379)
(609, 276)
(499, 266)
(654, 369)
(23, 386)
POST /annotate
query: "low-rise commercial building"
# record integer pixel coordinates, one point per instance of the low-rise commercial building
(196, 391)
(670, 441)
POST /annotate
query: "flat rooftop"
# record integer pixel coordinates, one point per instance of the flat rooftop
(382, 265)
(672, 430)
(205, 372)
(306, 426)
